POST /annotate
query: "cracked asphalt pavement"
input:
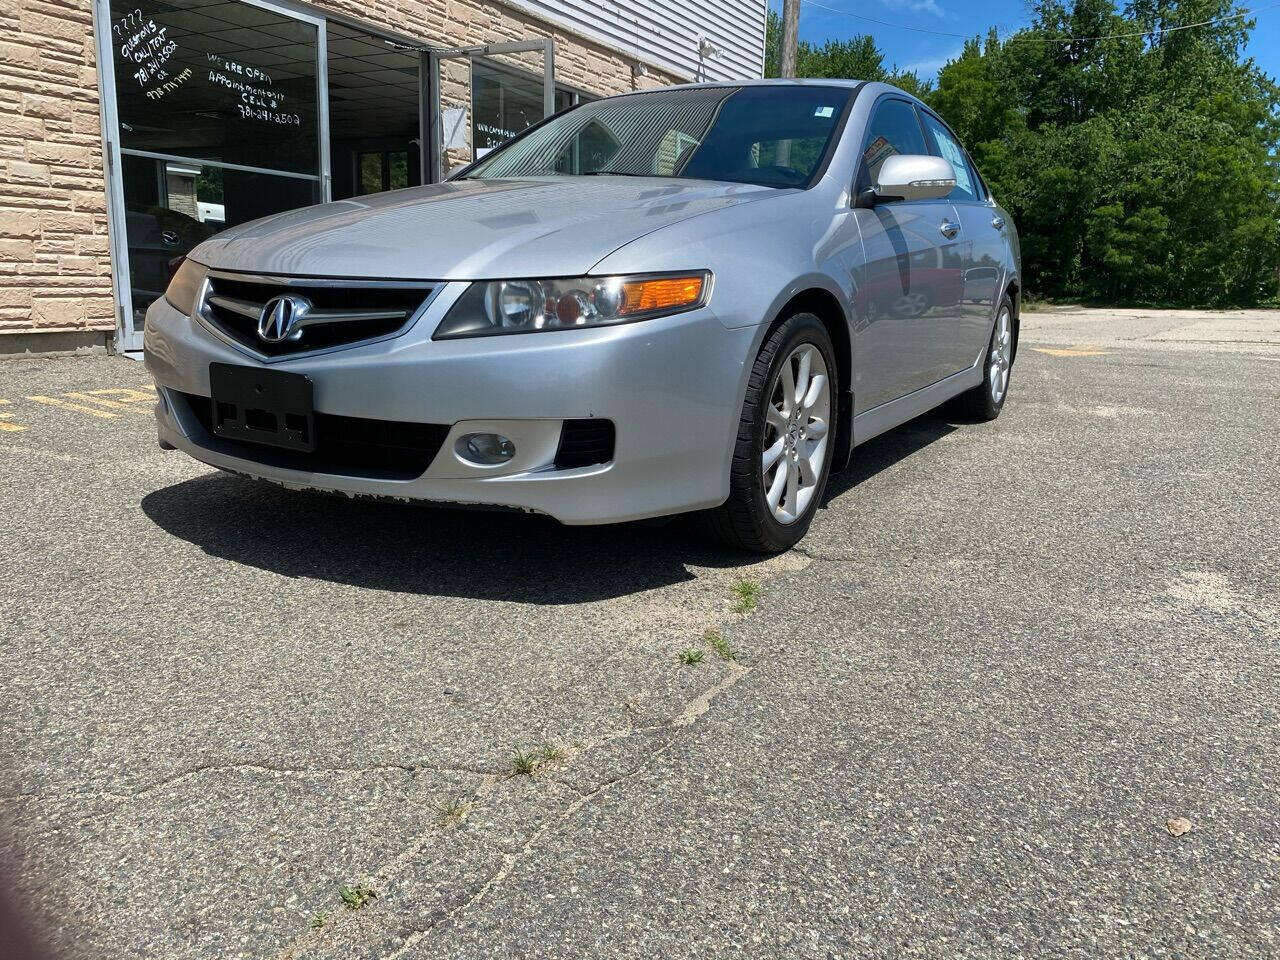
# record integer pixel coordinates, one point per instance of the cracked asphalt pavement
(957, 725)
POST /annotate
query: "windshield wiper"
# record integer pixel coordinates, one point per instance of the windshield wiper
(612, 173)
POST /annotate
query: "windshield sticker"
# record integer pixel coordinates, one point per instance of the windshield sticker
(878, 151)
(824, 111)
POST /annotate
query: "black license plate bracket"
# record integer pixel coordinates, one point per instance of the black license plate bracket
(262, 406)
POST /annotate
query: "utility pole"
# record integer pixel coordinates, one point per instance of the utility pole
(790, 36)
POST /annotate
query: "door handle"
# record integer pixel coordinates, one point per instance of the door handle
(948, 228)
(997, 222)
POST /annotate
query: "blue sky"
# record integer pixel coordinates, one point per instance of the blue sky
(927, 53)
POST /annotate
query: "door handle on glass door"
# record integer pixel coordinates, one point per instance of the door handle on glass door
(948, 228)
(998, 222)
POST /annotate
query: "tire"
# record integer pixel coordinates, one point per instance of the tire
(985, 401)
(748, 520)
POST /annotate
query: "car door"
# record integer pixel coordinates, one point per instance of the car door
(983, 250)
(911, 279)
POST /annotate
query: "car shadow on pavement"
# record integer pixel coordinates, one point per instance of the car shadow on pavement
(421, 549)
(493, 555)
(889, 448)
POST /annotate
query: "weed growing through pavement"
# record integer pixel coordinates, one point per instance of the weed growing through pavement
(317, 921)
(748, 594)
(451, 811)
(717, 642)
(691, 656)
(525, 763)
(550, 753)
(355, 896)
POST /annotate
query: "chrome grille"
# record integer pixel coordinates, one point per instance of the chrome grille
(340, 312)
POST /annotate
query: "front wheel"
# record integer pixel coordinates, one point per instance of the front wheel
(783, 452)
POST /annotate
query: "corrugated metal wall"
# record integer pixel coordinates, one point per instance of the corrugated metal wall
(666, 32)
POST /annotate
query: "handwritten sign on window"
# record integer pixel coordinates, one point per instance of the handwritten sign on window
(147, 49)
(253, 88)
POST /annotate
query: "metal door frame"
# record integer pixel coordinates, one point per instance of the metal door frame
(434, 120)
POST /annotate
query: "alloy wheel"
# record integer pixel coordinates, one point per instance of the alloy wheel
(797, 419)
(1001, 356)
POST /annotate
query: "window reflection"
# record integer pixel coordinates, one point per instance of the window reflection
(216, 81)
(172, 206)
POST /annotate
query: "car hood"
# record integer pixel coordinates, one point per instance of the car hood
(470, 229)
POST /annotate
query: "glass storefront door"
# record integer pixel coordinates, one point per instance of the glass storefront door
(217, 118)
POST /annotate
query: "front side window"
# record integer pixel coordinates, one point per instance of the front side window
(772, 136)
(894, 129)
(947, 147)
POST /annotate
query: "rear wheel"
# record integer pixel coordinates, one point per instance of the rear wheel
(783, 452)
(987, 400)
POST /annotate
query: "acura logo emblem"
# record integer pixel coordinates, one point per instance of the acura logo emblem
(281, 319)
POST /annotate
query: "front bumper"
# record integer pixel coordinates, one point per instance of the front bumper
(672, 386)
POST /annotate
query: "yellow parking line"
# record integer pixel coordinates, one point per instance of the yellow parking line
(125, 394)
(112, 404)
(6, 422)
(68, 405)
(1072, 352)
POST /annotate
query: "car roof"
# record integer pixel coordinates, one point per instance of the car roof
(878, 85)
(780, 82)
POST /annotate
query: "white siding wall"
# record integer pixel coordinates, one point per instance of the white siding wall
(666, 32)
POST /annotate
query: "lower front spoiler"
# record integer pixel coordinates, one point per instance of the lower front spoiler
(612, 492)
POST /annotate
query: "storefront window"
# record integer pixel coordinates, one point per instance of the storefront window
(216, 104)
(170, 207)
(229, 82)
(384, 170)
(505, 101)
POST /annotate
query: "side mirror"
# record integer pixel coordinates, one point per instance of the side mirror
(911, 176)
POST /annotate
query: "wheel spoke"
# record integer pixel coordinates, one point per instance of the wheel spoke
(816, 430)
(788, 387)
(772, 454)
(776, 418)
(774, 495)
(816, 386)
(808, 476)
(802, 378)
(793, 486)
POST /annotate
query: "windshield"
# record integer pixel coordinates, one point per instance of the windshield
(772, 136)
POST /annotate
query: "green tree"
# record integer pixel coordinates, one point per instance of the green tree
(857, 58)
(1138, 168)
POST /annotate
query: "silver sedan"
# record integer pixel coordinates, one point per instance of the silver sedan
(698, 298)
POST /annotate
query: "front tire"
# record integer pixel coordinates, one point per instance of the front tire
(786, 432)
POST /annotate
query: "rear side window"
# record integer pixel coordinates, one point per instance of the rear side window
(947, 147)
(894, 129)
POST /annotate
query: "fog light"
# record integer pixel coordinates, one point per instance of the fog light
(485, 449)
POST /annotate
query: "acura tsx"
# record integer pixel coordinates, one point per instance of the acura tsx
(696, 298)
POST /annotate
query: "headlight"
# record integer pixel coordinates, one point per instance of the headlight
(185, 286)
(526, 306)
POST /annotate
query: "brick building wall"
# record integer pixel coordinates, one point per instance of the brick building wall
(55, 266)
(55, 271)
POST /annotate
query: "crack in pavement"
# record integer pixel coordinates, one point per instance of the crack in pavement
(251, 766)
(693, 710)
(691, 713)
